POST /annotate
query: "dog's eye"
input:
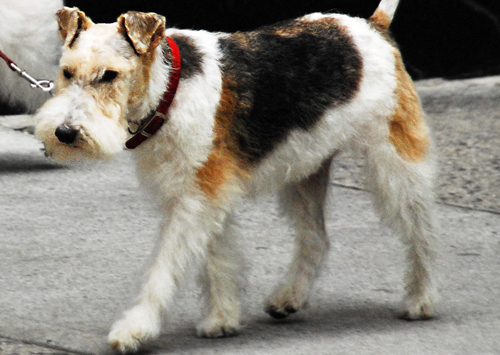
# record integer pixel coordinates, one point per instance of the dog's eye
(67, 74)
(108, 76)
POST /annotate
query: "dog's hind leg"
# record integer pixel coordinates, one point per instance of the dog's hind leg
(404, 199)
(303, 203)
(220, 281)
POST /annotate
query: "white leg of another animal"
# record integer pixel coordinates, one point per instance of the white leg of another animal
(303, 202)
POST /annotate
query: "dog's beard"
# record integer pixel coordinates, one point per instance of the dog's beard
(101, 146)
(99, 137)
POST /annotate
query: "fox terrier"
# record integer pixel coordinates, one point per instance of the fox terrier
(215, 117)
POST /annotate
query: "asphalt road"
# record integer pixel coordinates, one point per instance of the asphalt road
(75, 238)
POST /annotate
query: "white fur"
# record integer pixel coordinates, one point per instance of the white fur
(167, 167)
(101, 137)
(221, 293)
(302, 202)
(389, 7)
(184, 143)
(28, 35)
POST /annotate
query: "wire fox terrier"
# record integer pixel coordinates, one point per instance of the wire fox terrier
(253, 112)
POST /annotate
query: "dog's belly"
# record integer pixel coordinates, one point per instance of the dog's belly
(302, 152)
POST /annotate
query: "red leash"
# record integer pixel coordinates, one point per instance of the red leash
(45, 85)
(7, 60)
(160, 116)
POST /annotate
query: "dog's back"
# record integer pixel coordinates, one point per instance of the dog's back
(285, 78)
(296, 92)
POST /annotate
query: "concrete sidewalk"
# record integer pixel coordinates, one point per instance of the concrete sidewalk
(75, 238)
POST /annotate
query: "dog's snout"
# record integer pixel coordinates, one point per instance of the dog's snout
(66, 134)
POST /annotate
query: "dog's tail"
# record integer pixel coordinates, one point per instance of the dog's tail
(384, 13)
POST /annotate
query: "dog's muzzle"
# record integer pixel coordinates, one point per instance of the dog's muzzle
(66, 134)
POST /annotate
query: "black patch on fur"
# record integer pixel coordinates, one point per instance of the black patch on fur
(285, 77)
(191, 58)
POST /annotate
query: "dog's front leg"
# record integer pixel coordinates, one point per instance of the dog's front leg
(220, 278)
(183, 238)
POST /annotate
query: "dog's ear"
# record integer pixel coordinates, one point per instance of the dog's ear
(71, 22)
(143, 30)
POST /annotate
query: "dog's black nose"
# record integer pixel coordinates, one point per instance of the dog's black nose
(66, 134)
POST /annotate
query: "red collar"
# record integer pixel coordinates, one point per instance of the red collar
(154, 125)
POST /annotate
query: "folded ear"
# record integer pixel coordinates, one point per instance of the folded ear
(143, 30)
(71, 22)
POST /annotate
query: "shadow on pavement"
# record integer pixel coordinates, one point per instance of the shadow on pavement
(321, 325)
(12, 163)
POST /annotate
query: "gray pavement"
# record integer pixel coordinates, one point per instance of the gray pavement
(75, 240)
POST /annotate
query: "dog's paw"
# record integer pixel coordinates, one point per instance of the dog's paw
(283, 302)
(418, 309)
(280, 312)
(135, 328)
(217, 327)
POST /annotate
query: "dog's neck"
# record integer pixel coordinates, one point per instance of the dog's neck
(150, 124)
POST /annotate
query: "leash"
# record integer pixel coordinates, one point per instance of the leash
(154, 124)
(44, 85)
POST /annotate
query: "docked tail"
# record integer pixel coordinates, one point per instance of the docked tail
(384, 13)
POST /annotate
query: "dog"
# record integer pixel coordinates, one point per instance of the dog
(216, 117)
(28, 34)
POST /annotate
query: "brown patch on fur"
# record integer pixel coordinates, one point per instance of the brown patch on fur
(380, 20)
(144, 32)
(407, 131)
(224, 162)
(145, 61)
(71, 22)
(139, 90)
(243, 39)
(307, 26)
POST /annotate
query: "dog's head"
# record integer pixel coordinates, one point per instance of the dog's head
(104, 81)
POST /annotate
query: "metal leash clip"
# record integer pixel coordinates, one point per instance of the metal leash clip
(44, 85)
